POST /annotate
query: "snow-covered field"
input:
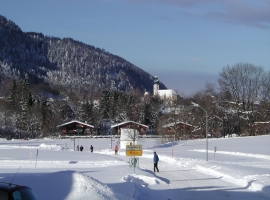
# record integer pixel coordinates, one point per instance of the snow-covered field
(239, 169)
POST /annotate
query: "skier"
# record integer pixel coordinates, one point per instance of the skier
(116, 149)
(156, 159)
(91, 148)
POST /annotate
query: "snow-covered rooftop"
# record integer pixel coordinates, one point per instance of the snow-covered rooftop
(172, 124)
(168, 92)
(75, 121)
(115, 125)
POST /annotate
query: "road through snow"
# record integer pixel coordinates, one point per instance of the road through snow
(237, 172)
(188, 183)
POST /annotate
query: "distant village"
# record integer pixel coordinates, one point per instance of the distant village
(128, 132)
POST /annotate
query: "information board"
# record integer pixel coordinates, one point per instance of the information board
(133, 150)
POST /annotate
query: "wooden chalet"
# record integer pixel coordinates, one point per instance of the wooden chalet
(75, 128)
(141, 128)
(177, 126)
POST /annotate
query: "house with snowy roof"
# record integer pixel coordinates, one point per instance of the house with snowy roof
(178, 128)
(75, 128)
(129, 132)
(141, 128)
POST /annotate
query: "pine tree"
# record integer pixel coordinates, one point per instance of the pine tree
(13, 97)
(105, 104)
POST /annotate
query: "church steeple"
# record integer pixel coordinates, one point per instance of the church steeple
(156, 86)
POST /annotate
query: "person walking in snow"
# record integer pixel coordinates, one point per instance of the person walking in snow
(78, 147)
(156, 159)
(116, 149)
(91, 148)
(81, 148)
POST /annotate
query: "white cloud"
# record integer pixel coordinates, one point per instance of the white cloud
(244, 12)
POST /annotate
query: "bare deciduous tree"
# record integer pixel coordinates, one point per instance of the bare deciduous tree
(243, 85)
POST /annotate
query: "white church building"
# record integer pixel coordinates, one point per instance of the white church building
(168, 94)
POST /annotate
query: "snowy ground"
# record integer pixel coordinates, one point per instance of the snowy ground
(239, 169)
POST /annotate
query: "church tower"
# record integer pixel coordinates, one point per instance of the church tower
(156, 86)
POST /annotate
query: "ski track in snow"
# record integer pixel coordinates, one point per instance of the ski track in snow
(236, 154)
(180, 176)
(57, 164)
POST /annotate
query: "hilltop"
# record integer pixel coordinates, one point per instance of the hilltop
(64, 64)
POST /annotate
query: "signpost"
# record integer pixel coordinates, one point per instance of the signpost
(134, 150)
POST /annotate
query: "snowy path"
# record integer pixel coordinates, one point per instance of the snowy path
(188, 183)
(238, 172)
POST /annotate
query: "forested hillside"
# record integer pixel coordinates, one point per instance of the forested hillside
(66, 63)
(47, 81)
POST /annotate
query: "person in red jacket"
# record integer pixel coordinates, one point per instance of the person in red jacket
(116, 149)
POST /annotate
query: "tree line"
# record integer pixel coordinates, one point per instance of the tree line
(238, 105)
(24, 112)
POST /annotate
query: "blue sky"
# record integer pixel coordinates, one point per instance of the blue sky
(184, 42)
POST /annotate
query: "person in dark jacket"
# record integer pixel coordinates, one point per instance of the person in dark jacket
(91, 148)
(81, 148)
(156, 159)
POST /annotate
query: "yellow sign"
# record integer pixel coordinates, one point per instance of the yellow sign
(133, 153)
(133, 150)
